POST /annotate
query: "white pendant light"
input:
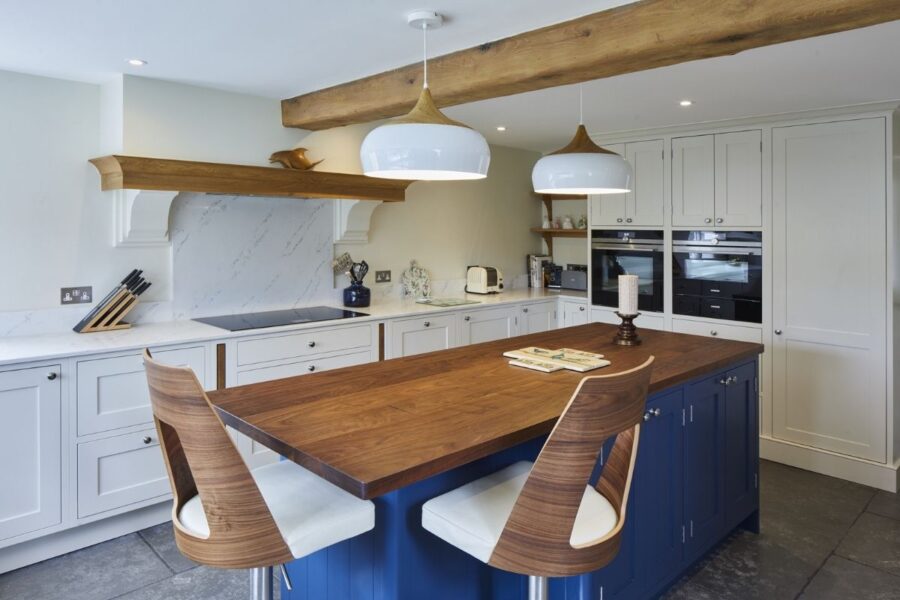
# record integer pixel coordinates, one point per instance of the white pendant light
(424, 144)
(582, 167)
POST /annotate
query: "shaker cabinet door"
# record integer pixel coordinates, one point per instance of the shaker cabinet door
(479, 326)
(417, 336)
(739, 179)
(693, 181)
(608, 210)
(741, 444)
(644, 203)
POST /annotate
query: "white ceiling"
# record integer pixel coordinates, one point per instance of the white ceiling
(280, 48)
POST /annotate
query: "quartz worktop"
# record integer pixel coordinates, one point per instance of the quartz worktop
(33, 348)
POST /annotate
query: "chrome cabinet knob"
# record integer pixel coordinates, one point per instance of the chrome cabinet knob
(52, 375)
(628, 220)
(647, 415)
(713, 333)
(656, 412)
(467, 318)
(311, 344)
(707, 220)
(525, 309)
(720, 220)
(427, 323)
(311, 368)
(147, 439)
(619, 220)
(724, 381)
(581, 308)
(777, 332)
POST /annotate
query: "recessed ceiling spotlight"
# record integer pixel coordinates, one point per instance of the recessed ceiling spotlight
(136, 62)
(686, 102)
(501, 128)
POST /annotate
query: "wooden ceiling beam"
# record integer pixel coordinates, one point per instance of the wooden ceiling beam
(644, 35)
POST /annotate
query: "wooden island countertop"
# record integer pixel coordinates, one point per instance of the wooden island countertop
(374, 428)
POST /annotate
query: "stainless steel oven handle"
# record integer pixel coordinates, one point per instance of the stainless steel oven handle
(717, 250)
(638, 247)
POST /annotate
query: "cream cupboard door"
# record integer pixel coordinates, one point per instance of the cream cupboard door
(574, 313)
(417, 336)
(738, 179)
(30, 450)
(608, 209)
(644, 203)
(478, 326)
(829, 287)
(537, 317)
(693, 181)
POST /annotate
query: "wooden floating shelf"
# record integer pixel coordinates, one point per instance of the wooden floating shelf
(161, 174)
(561, 232)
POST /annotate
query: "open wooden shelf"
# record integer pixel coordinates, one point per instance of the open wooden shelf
(549, 234)
(561, 232)
(139, 173)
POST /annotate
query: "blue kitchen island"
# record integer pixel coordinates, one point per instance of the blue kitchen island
(409, 429)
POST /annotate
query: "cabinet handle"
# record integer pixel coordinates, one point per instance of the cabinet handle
(777, 332)
(725, 381)
(619, 220)
(147, 439)
(467, 318)
(707, 220)
(51, 375)
(720, 220)
(581, 308)
(628, 220)
(713, 333)
(311, 344)
(427, 323)
(311, 368)
(525, 309)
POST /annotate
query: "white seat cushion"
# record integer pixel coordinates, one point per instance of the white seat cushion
(473, 516)
(310, 512)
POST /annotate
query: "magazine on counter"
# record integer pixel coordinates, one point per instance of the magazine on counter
(542, 359)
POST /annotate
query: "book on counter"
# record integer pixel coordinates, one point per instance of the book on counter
(537, 265)
(548, 361)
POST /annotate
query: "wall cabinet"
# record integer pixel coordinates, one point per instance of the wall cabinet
(486, 325)
(717, 180)
(644, 204)
(573, 313)
(537, 317)
(829, 351)
(31, 450)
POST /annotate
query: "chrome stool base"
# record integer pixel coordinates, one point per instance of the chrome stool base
(537, 588)
(261, 584)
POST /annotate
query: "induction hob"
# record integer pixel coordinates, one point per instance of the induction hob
(277, 318)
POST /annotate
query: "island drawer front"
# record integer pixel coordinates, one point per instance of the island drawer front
(303, 368)
(119, 471)
(728, 332)
(113, 393)
(296, 345)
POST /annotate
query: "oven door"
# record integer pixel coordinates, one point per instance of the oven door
(611, 260)
(718, 283)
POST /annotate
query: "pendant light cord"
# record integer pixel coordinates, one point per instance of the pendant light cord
(425, 54)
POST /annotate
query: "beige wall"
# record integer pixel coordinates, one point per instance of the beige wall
(446, 226)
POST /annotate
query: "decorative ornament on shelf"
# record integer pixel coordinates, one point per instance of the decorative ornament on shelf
(294, 159)
(582, 222)
(415, 281)
(582, 167)
(425, 144)
(567, 223)
(546, 224)
(628, 311)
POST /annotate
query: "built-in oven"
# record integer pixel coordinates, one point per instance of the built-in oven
(619, 252)
(717, 274)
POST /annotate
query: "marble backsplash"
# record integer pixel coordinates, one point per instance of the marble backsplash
(244, 254)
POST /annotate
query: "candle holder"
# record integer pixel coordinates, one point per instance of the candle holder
(627, 334)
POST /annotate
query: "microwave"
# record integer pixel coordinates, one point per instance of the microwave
(631, 252)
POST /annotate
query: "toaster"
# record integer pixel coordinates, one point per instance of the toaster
(484, 280)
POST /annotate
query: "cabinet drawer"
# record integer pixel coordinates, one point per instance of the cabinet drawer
(645, 320)
(113, 393)
(260, 350)
(119, 471)
(305, 367)
(729, 332)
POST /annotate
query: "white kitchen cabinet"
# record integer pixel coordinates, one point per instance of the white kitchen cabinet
(573, 313)
(829, 348)
(537, 317)
(298, 345)
(644, 204)
(119, 471)
(112, 392)
(424, 334)
(739, 179)
(30, 450)
(486, 325)
(717, 180)
(718, 329)
(644, 320)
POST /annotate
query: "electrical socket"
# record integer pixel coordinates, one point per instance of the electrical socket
(76, 295)
(382, 276)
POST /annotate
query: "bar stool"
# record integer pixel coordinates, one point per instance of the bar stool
(228, 516)
(544, 519)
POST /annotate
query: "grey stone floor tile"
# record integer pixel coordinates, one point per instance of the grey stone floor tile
(841, 579)
(689, 590)
(754, 566)
(200, 583)
(99, 572)
(162, 539)
(885, 504)
(875, 541)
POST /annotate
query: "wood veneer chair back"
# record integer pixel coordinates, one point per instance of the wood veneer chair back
(201, 458)
(535, 540)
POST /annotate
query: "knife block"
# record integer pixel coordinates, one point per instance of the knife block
(107, 316)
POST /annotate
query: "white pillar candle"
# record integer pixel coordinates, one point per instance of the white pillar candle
(628, 294)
